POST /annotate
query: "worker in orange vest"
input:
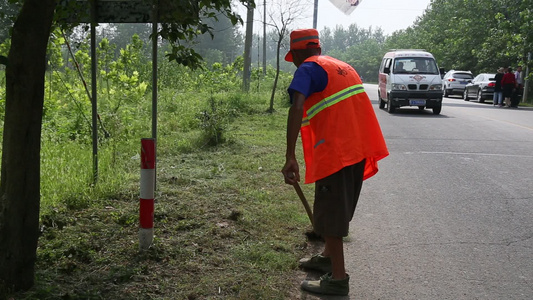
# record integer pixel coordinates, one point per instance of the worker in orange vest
(342, 143)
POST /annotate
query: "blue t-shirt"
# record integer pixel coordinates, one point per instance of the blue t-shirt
(309, 78)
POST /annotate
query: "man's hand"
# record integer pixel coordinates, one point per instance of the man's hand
(291, 171)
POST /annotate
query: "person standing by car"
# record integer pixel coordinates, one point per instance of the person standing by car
(509, 84)
(519, 86)
(342, 144)
(498, 90)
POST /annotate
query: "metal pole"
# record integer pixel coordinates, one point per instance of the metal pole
(94, 93)
(155, 38)
(154, 71)
(315, 14)
(258, 61)
(147, 187)
(526, 81)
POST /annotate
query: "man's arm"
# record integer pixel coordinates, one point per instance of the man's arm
(291, 170)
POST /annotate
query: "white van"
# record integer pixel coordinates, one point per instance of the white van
(410, 78)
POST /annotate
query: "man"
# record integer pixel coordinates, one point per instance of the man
(399, 68)
(342, 142)
(517, 94)
(497, 99)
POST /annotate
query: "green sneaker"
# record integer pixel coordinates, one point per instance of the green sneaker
(316, 262)
(327, 285)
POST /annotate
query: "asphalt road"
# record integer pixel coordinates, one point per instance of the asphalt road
(450, 213)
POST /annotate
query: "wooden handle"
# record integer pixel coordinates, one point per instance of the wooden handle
(304, 202)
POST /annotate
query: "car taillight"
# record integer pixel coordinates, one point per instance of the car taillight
(451, 79)
(491, 84)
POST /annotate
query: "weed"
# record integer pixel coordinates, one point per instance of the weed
(226, 226)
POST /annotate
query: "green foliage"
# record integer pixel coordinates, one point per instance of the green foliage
(55, 45)
(472, 35)
(8, 11)
(212, 122)
(364, 59)
(2, 97)
(3, 53)
(197, 105)
(89, 231)
(67, 174)
(361, 48)
(223, 44)
(191, 26)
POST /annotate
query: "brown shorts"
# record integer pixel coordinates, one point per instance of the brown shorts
(335, 200)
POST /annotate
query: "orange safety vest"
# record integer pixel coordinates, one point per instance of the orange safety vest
(339, 126)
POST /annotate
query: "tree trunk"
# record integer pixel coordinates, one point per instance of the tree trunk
(247, 71)
(20, 175)
(273, 94)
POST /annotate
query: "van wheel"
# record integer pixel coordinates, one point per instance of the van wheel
(390, 107)
(437, 109)
(381, 102)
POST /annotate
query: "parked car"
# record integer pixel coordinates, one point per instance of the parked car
(454, 82)
(481, 88)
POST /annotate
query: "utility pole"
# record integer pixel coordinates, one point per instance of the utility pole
(264, 37)
(248, 48)
(315, 14)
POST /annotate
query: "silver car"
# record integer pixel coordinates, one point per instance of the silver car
(454, 82)
(481, 88)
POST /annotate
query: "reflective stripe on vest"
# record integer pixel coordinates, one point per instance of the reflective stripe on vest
(333, 99)
(347, 131)
(305, 121)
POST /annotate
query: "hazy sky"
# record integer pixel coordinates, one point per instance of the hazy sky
(390, 15)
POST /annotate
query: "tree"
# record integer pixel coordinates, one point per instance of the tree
(25, 71)
(473, 35)
(364, 57)
(227, 39)
(363, 50)
(8, 11)
(283, 13)
(20, 180)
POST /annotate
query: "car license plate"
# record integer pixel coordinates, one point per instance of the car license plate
(462, 82)
(417, 102)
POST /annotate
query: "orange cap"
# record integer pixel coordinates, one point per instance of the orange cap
(303, 39)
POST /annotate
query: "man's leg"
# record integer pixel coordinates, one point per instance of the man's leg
(334, 249)
(337, 281)
(336, 197)
(513, 98)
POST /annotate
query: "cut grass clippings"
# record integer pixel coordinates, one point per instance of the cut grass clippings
(226, 227)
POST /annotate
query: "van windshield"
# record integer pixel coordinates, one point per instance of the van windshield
(415, 65)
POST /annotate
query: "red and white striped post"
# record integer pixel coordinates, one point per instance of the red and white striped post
(146, 208)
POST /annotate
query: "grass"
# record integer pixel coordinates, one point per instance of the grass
(226, 225)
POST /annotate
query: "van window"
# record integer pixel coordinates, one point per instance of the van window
(385, 63)
(418, 65)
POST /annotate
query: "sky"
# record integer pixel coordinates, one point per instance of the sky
(390, 15)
